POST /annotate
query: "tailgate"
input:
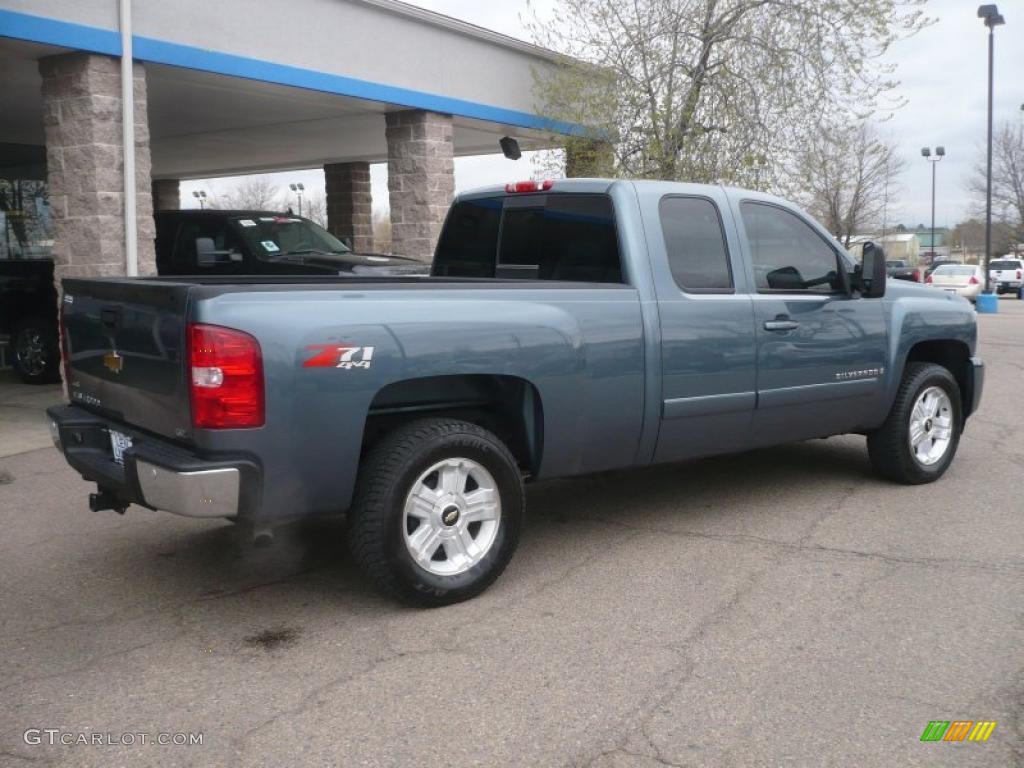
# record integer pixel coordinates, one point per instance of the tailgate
(126, 352)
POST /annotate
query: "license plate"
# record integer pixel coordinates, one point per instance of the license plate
(1004, 286)
(119, 443)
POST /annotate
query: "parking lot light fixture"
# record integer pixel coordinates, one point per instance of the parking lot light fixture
(926, 153)
(200, 195)
(993, 19)
(298, 188)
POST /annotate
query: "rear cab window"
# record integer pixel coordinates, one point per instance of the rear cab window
(557, 236)
(1005, 264)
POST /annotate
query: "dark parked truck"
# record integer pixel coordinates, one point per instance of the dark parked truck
(188, 242)
(28, 317)
(567, 328)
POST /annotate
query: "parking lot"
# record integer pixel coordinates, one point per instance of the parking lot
(782, 607)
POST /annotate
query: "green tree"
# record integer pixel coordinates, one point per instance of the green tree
(716, 90)
(847, 177)
(1007, 184)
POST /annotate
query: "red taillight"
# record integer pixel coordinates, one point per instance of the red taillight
(529, 186)
(973, 280)
(1020, 275)
(928, 279)
(917, 275)
(225, 378)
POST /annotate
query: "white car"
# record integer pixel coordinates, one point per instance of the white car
(967, 280)
(1007, 275)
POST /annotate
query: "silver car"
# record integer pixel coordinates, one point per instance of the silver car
(967, 280)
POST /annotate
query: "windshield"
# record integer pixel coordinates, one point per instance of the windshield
(271, 236)
(1004, 265)
(892, 263)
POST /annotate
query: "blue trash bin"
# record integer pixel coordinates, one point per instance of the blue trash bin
(987, 303)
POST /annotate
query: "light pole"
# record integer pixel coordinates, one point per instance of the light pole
(298, 189)
(926, 153)
(200, 195)
(993, 19)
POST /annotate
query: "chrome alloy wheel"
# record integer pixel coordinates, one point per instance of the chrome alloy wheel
(30, 349)
(451, 517)
(931, 426)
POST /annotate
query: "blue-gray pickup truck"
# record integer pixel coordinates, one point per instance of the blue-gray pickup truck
(567, 327)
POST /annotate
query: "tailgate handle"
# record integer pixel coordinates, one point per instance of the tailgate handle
(110, 318)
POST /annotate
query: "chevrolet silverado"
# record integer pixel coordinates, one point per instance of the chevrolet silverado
(567, 327)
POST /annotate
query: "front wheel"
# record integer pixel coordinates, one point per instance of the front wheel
(918, 440)
(437, 513)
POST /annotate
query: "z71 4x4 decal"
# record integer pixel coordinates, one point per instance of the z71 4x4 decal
(335, 356)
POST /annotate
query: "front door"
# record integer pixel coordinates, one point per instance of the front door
(821, 353)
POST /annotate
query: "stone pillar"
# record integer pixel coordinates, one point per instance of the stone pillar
(588, 158)
(350, 204)
(166, 195)
(421, 179)
(82, 123)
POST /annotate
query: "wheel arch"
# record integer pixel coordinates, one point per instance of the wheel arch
(953, 355)
(508, 406)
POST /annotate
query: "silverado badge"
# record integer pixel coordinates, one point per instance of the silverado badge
(113, 362)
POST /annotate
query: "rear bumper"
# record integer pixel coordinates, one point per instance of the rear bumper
(1007, 286)
(156, 473)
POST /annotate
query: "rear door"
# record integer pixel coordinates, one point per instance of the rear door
(126, 352)
(708, 359)
(821, 353)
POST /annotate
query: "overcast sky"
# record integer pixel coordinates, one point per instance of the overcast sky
(942, 73)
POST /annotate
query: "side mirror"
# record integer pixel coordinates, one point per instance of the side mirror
(207, 254)
(869, 276)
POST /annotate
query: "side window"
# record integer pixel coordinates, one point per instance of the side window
(788, 255)
(695, 244)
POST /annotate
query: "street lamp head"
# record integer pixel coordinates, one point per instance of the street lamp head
(925, 152)
(940, 151)
(991, 15)
(291, 187)
(300, 187)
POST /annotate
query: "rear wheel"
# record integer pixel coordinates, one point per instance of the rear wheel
(437, 512)
(36, 351)
(918, 440)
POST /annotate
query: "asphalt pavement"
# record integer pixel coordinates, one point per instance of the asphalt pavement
(777, 608)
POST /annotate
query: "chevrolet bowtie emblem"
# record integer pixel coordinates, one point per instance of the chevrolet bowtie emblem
(113, 361)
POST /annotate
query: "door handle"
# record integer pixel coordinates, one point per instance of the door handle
(781, 324)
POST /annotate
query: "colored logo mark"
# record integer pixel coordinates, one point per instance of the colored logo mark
(958, 730)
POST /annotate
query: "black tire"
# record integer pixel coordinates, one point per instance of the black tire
(35, 344)
(889, 446)
(376, 519)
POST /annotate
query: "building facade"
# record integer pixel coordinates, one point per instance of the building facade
(222, 88)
